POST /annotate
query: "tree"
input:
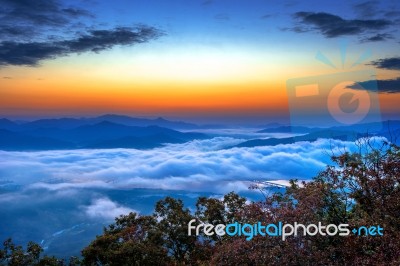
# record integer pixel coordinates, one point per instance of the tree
(131, 240)
(14, 255)
(370, 178)
(172, 225)
(361, 189)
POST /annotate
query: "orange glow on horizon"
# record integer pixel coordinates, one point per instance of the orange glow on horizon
(83, 97)
(140, 86)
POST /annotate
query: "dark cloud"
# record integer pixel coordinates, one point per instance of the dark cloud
(332, 26)
(373, 8)
(384, 86)
(392, 13)
(366, 9)
(7, 77)
(25, 18)
(31, 53)
(16, 31)
(392, 63)
(76, 12)
(99, 40)
(28, 54)
(35, 21)
(378, 38)
(32, 31)
(39, 12)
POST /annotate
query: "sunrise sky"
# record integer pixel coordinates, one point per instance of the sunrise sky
(201, 61)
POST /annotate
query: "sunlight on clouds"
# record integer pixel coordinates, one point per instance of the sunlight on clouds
(105, 208)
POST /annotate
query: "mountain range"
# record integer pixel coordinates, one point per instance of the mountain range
(69, 123)
(99, 132)
(116, 131)
(387, 129)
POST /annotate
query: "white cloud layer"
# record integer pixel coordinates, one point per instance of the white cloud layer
(106, 209)
(200, 165)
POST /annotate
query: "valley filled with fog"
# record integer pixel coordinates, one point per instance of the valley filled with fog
(47, 196)
(63, 180)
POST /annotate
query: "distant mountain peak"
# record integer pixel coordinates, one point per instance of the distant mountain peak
(113, 116)
(6, 123)
(106, 123)
(143, 122)
(5, 120)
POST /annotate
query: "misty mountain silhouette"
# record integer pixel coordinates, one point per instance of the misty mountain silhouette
(110, 131)
(104, 132)
(53, 134)
(14, 141)
(142, 122)
(289, 129)
(70, 123)
(7, 124)
(388, 129)
(322, 134)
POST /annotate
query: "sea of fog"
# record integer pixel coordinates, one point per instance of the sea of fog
(62, 199)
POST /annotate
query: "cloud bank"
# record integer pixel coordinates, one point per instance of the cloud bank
(31, 53)
(391, 63)
(32, 31)
(193, 166)
(106, 209)
(76, 193)
(24, 19)
(331, 26)
(384, 86)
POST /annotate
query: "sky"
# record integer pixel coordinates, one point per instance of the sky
(200, 60)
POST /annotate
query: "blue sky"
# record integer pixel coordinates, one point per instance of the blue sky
(184, 59)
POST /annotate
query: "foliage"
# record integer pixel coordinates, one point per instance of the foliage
(363, 188)
(132, 240)
(14, 255)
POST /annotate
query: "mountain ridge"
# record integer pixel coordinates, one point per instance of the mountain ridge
(70, 123)
(104, 134)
